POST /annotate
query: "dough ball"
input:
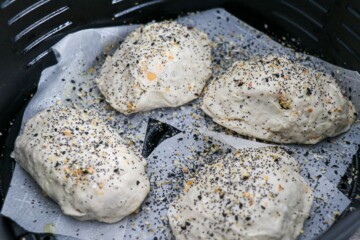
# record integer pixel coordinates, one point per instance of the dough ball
(158, 65)
(278, 100)
(252, 194)
(82, 164)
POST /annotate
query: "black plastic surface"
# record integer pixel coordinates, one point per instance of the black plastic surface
(157, 132)
(28, 28)
(343, 229)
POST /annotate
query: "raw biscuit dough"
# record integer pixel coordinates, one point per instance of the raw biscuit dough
(158, 65)
(82, 164)
(278, 100)
(252, 194)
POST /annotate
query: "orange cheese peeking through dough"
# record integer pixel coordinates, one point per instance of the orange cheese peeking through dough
(151, 76)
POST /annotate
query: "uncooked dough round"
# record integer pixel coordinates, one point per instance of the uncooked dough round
(252, 194)
(158, 65)
(278, 100)
(82, 164)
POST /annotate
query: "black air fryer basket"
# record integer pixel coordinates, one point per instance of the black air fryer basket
(329, 29)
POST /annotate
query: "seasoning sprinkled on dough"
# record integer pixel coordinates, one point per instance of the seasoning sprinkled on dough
(158, 65)
(82, 164)
(250, 194)
(279, 100)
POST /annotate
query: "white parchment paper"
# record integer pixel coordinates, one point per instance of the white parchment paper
(71, 82)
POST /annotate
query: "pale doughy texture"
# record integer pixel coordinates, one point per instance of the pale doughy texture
(252, 194)
(158, 65)
(278, 100)
(82, 164)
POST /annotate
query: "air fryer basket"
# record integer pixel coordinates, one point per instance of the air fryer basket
(329, 29)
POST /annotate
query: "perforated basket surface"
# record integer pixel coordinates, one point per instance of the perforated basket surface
(329, 29)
